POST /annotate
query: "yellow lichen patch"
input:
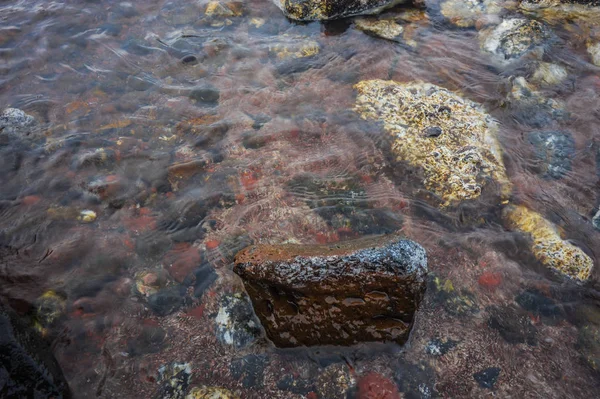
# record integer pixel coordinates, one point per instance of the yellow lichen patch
(217, 9)
(211, 393)
(386, 29)
(296, 48)
(308, 10)
(451, 139)
(547, 245)
(49, 307)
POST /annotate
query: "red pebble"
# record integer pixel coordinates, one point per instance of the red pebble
(30, 200)
(376, 386)
(212, 244)
(490, 280)
(312, 395)
(196, 312)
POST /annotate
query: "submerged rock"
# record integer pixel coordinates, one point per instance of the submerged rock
(437, 347)
(386, 29)
(531, 108)
(594, 51)
(28, 368)
(555, 150)
(14, 122)
(550, 74)
(512, 325)
(236, 323)
(376, 386)
(487, 378)
(174, 380)
(450, 139)
(311, 10)
(457, 302)
(513, 38)
(362, 290)
(547, 245)
(466, 13)
(588, 343)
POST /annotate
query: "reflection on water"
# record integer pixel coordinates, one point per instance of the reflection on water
(168, 135)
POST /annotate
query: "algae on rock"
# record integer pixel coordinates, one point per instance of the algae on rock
(451, 139)
(313, 10)
(547, 245)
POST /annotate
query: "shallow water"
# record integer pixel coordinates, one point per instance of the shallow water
(191, 137)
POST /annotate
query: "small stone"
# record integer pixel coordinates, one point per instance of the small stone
(376, 386)
(189, 60)
(149, 340)
(87, 216)
(455, 302)
(319, 295)
(206, 95)
(415, 380)
(513, 325)
(513, 38)
(437, 347)
(334, 382)
(211, 393)
(487, 378)
(236, 324)
(385, 29)
(556, 150)
(549, 74)
(594, 51)
(15, 122)
(50, 307)
(174, 380)
(127, 9)
(292, 48)
(250, 369)
(596, 220)
(547, 245)
(166, 301)
(540, 305)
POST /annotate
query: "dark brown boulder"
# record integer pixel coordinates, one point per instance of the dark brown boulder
(359, 291)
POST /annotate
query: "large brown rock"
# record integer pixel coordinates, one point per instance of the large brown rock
(311, 10)
(358, 291)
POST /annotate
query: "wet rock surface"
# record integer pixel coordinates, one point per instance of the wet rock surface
(547, 245)
(513, 325)
(555, 150)
(365, 290)
(236, 324)
(513, 38)
(27, 366)
(450, 139)
(307, 10)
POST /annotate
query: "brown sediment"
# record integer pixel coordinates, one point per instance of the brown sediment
(362, 290)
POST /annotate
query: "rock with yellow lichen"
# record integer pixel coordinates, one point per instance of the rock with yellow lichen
(450, 139)
(466, 13)
(547, 245)
(514, 38)
(594, 52)
(386, 29)
(312, 10)
(290, 47)
(211, 393)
